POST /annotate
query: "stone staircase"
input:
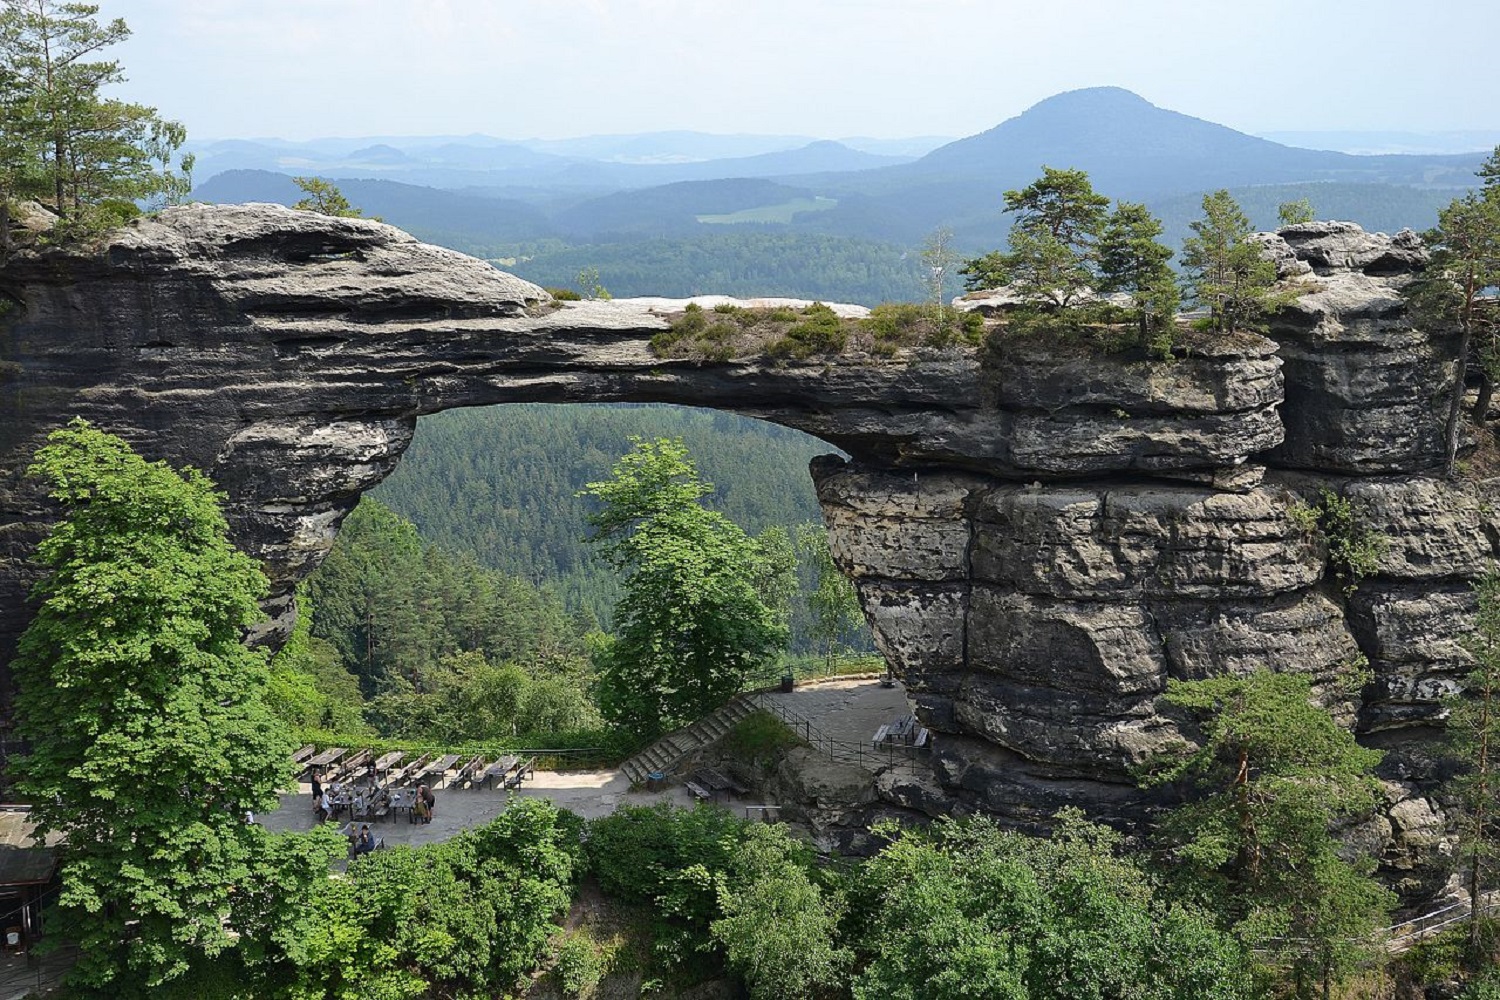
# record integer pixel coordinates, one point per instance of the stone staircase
(665, 753)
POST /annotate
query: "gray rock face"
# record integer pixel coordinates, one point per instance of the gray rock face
(1041, 539)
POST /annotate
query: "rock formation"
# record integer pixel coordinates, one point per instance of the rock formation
(1041, 537)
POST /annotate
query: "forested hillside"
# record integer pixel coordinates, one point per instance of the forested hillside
(501, 482)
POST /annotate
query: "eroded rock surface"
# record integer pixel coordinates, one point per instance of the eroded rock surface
(1041, 539)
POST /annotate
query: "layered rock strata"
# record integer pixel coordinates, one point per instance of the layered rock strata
(1041, 537)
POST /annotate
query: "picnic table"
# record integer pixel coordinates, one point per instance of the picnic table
(410, 771)
(706, 779)
(303, 755)
(327, 757)
(350, 765)
(903, 730)
(441, 766)
(403, 799)
(470, 772)
(498, 769)
(388, 761)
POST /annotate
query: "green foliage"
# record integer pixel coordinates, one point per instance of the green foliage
(1226, 273)
(564, 294)
(144, 709)
(968, 910)
(690, 623)
(1058, 219)
(779, 928)
(1295, 213)
(502, 484)
(746, 262)
(580, 965)
(1132, 260)
(1269, 777)
(819, 331)
(86, 156)
(470, 914)
(939, 257)
(898, 326)
(1453, 292)
(446, 650)
(832, 601)
(672, 861)
(1474, 739)
(759, 739)
(324, 197)
(589, 285)
(1354, 548)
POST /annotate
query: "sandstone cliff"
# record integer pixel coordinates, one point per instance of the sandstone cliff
(1041, 539)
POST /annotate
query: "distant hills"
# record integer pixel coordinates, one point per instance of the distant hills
(525, 202)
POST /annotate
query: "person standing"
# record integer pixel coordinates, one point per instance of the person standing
(317, 790)
(430, 799)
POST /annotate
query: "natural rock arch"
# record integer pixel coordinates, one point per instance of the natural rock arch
(1040, 540)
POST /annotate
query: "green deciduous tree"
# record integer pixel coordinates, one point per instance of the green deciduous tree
(1058, 218)
(967, 910)
(1132, 260)
(1226, 273)
(832, 602)
(144, 709)
(98, 155)
(1270, 776)
(690, 623)
(779, 928)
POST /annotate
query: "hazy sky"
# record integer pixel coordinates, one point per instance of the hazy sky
(553, 68)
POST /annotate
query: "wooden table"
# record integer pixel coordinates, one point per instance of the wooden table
(441, 766)
(327, 757)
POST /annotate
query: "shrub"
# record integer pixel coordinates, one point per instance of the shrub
(564, 294)
(818, 332)
(759, 738)
(580, 966)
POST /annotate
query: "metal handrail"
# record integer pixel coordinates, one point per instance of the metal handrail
(839, 751)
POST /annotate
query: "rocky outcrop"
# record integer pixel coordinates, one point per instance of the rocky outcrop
(1042, 537)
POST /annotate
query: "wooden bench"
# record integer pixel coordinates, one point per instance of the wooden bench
(304, 755)
(921, 740)
(699, 792)
(880, 735)
(498, 769)
(470, 772)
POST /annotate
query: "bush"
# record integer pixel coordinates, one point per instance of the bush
(469, 914)
(758, 739)
(894, 326)
(819, 331)
(580, 966)
(779, 928)
(564, 294)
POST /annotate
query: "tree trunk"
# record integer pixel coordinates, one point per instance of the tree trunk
(1456, 404)
(1481, 412)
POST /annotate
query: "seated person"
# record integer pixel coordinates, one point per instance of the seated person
(364, 843)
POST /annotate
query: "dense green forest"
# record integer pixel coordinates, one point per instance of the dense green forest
(502, 482)
(759, 261)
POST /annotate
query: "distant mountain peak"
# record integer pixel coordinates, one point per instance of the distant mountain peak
(1091, 99)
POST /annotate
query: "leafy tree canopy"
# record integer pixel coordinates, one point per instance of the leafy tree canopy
(144, 710)
(691, 622)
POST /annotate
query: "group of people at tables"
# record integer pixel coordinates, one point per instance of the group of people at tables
(366, 801)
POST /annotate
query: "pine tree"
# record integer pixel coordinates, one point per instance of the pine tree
(1226, 273)
(98, 155)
